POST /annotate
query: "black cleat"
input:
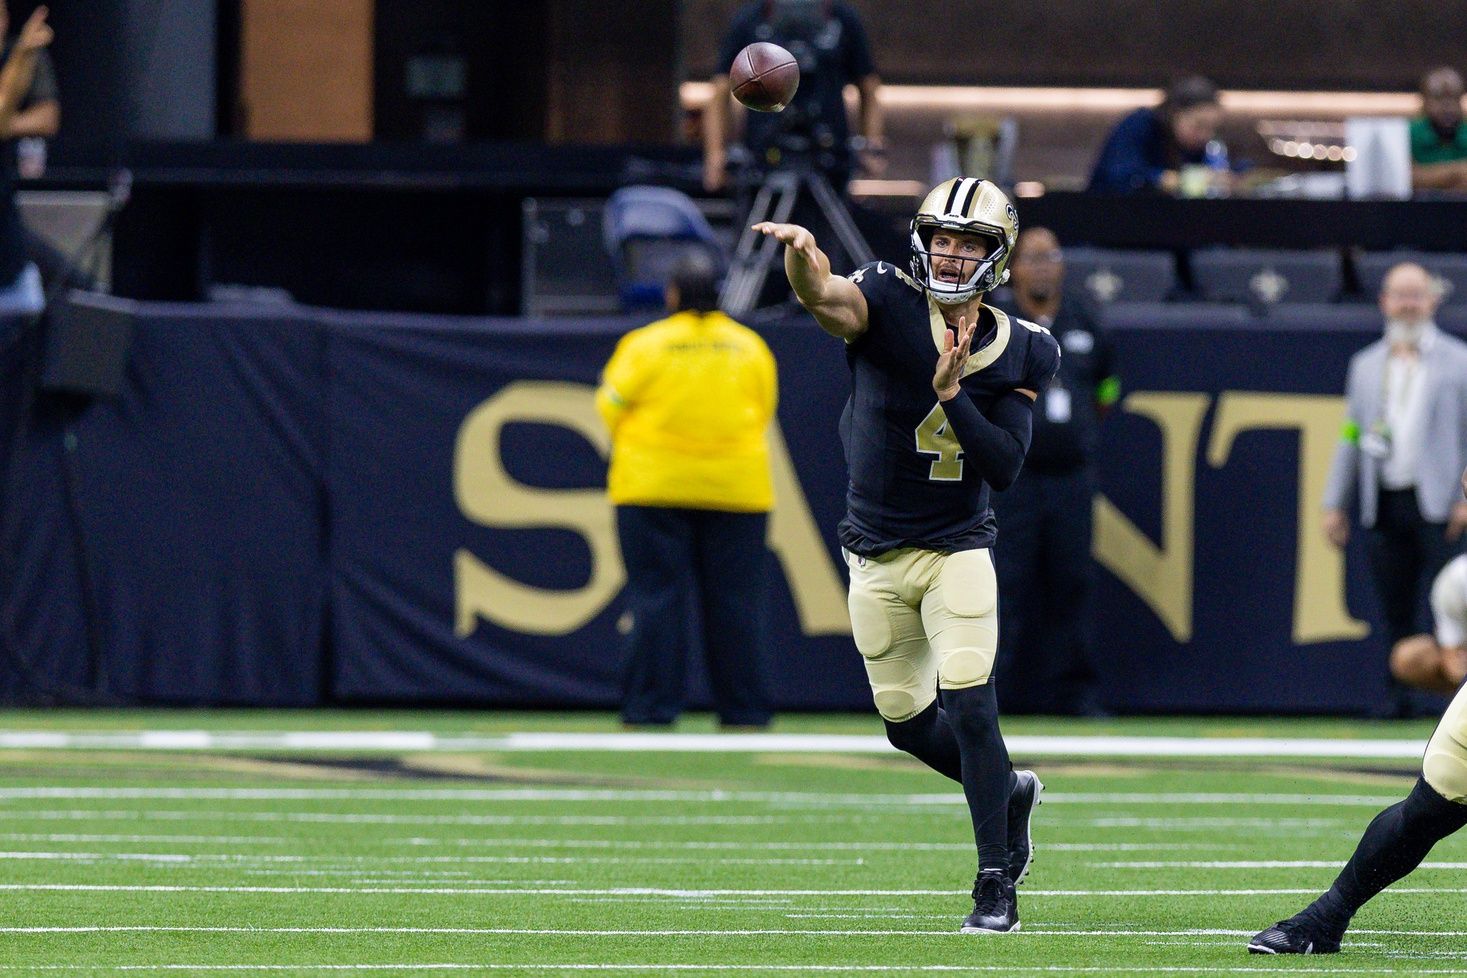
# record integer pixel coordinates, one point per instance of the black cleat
(1300, 934)
(995, 905)
(1022, 802)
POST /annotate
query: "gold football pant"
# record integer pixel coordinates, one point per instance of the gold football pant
(1445, 764)
(923, 619)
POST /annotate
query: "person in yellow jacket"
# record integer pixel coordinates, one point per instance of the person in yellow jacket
(689, 400)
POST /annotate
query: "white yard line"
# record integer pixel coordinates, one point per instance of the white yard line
(416, 741)
(946, 931)
(385, 818)
(1256, 864)
(605, 795)
(551, 932)
(1007, 969)
(246, 859)
(633, 891)
(1210, 822)
(900, 847)
(182, 839)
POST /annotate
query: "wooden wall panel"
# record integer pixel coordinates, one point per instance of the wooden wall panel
(614, 70)
(1283, 44)
(306, 69)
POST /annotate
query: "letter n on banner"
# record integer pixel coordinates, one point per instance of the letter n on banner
(1159, 573)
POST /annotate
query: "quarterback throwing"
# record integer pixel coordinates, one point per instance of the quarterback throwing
(942, 391)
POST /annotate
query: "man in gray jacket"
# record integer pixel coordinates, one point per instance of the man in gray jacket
(1404, 447)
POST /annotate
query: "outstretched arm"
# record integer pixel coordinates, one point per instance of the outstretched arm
(835, 302)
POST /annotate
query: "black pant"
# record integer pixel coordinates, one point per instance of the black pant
(1406, 552)
(1045, 577)
(718, 561)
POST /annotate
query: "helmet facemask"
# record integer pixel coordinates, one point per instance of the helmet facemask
(983, 277)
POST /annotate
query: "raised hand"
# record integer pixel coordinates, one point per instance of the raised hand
(791, 236)
(36, 34)
(953, 358)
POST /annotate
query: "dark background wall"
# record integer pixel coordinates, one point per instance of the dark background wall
(1286, 44)
(561, 71)
(585, 71)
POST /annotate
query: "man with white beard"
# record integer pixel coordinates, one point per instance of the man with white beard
(1403, 448)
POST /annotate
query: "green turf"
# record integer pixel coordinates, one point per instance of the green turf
(666, 863)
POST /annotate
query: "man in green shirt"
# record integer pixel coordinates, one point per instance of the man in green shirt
(1438, 137)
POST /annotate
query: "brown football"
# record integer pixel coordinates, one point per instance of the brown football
(764, 76)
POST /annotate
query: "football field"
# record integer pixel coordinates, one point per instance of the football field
(317, 843)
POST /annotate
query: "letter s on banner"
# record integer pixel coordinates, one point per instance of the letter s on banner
(487, 495)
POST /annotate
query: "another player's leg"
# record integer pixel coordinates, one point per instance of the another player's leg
(959, 612)
(1393, 845)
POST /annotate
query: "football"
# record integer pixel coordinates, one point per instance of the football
(764, 76)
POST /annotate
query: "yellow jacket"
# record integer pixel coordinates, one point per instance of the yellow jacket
(688, 400)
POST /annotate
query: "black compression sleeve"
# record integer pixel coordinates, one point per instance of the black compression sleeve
(996, 440)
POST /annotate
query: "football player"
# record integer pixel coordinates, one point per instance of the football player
(1400, 837)
(942, 389)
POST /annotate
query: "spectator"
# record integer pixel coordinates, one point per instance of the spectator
(37, 119)
(689, 400)
(829, 41)
(38, 113)
(20, 281)
(1405, 444)
(1043, 554)
(1438, 137)
(1148, 149)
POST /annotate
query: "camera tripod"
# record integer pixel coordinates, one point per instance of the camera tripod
(775, 201)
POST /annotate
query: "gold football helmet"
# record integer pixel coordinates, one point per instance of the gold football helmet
(973, 207)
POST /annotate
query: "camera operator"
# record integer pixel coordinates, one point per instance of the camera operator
(828, 40)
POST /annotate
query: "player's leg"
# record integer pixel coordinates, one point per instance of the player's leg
(929, 738)
(733, 582)
(899, 665)
(960, 614)
(656, 549)
(1393, 845)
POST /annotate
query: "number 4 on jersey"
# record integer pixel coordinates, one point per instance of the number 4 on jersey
(935, 438)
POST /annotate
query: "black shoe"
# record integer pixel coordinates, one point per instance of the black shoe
(995, 905)
(1300, 934)
(1022, 802)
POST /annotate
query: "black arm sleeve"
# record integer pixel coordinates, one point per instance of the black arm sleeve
(997, 440)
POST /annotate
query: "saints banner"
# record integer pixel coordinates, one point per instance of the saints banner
(303, 507)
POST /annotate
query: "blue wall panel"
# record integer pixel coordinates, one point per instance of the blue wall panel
(298, 506)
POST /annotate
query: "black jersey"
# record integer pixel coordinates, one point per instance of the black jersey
(909, 486)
